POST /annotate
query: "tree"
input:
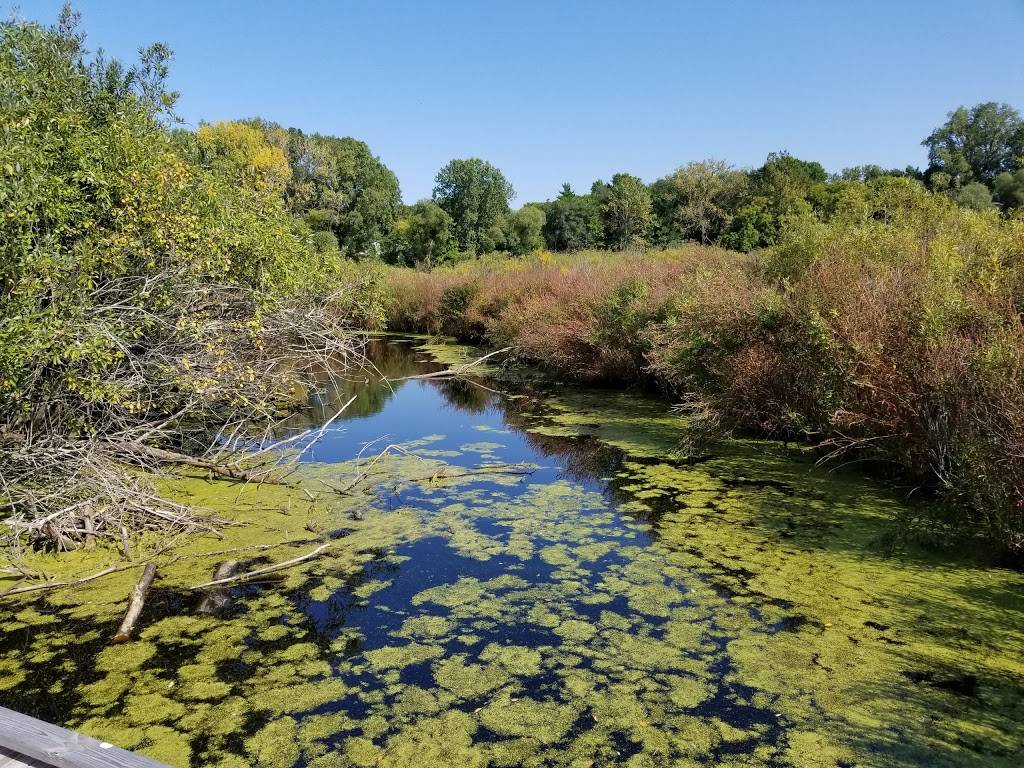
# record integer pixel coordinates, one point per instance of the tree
(1009, 190)
(626, 208)
(975, 196)
(698, 201)
(476, 195)
(422, 235)
(242, 153)
(784, 187)
(872, 171)
(338, 184)
(522, 230)
(975, 144)
(573, 222)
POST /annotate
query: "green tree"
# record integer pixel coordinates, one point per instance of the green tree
(573, 222)
(975, 144)
(975, 196)
(1009, 190)
(242, 153)
(627, 210)
(522, 230)
(476, 195)
(785, 187)
(338, 184)
(111, 220)
(698, 201)
(422, 235)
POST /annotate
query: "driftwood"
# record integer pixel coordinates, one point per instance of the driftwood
(216, 600)
(498, 469)
(226, 471)
(138, 600)
(459, 370)
(265, 569)
(74, 583)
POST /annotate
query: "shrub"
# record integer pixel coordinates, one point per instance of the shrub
(891, 333)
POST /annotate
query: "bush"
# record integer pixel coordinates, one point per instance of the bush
(892, 332)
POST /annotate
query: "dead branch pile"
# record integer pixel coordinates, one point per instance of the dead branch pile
(202, 377)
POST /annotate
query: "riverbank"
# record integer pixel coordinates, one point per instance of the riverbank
(898, 345)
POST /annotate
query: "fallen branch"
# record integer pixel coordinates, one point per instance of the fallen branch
(265, 569)
(138, 600)
(74, 583)
(497, 470)
(221, 470)
(459, 370)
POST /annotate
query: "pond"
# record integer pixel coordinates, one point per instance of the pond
(532, 576)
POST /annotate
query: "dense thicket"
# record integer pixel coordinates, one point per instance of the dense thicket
(151, 280)
(890, 331)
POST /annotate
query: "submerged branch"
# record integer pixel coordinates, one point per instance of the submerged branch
(459, 370)
(266, 569)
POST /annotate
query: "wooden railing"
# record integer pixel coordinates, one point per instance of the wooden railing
(61, 748)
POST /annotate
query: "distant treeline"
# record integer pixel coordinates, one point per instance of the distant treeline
(351, 201)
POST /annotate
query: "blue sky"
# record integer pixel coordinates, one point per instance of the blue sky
(575, 91)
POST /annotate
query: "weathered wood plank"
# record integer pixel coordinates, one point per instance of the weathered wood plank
(9, 759)
(58, 747)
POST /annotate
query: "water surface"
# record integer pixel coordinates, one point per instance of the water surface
(535, 578)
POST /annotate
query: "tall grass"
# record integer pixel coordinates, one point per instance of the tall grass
(893, 333)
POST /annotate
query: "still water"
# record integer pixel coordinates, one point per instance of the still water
(533, 577)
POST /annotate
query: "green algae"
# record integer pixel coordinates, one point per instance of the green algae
(402, 655)
(275, 746)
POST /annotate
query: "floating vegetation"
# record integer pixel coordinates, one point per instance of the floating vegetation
(745, 609)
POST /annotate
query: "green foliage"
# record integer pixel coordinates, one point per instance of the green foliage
(752, 226)
(239, 152)
(975, 196)
(1009, 190)
(476, 195)
(573, 222)
(975, 144)
(784, 188)
(521, 231)
(108, 217)
(455, 301)
(698, 200)
(627, 210)
(338, 184)
(422, 235)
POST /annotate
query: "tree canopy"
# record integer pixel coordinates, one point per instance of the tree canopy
(626, 208)
(975, 144)
(476, 195)
(338, 185)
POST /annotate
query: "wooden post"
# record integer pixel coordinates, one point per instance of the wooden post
(124, 632)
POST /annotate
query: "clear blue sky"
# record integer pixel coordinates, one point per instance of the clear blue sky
(574, 91)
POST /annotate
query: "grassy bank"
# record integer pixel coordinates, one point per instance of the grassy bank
(892, 333)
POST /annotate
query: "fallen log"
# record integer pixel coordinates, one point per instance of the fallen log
(124, 632)
(216, 600)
